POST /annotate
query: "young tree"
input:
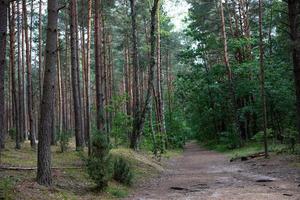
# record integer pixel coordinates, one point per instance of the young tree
(262, 78)
(44, 176)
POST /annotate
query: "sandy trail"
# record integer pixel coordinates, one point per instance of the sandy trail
(202, 174)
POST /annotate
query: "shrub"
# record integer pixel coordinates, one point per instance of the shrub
(290, 137)
(12, 133)
(230, 139)
(99, 162)
(122, 171)
(259, 137)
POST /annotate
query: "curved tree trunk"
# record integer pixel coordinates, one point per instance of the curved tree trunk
(139, 116)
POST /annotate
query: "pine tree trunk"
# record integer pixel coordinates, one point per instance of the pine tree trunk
(235, 116)
(139, 117)
(87, 76)
(293, 12)
(20, 93)
(262, 78)
(4, 5)
(29, 78)
(98, 68)
(12, 26)
(44, 176)
(75, 78)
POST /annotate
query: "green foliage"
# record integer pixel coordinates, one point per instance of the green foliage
(121, 122)
(99, 162)
(122, 171)
(259, 137)
(6, 188)
(290, 137)
(12, 133)
(64, 139)
(230, 139)
(118, 192)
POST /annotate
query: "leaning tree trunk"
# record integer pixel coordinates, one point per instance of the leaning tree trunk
(44, 176)
(294, 12)
(3, 32)
(139, 117)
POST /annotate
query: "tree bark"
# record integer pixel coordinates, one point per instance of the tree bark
(229, 75)
(44, 176)
(75, 77)
(98, 68)
(294, 22)
(20, 93)
(139, 117)
(4, 5)
(29, 78)
(12, 25)
(262, 78)
(88, 75)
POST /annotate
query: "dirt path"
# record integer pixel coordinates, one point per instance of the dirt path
(201, 174)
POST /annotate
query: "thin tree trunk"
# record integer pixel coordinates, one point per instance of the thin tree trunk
(98, 70)
(12, 25)
(87, 76)
(75, 77)
(44, 176)
(229, 74)
(29, 79)
(20, 122)
(262, 78)
(4, 6)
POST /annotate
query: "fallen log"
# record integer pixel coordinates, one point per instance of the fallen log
(13, 168)
(244, 158)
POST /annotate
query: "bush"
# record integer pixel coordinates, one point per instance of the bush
(290, 138)
(230, 139)
(99, 162)
(122, 171)
(259, 137)
(12, 133)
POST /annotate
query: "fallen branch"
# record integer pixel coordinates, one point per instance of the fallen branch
(244, 158)
(34, 168)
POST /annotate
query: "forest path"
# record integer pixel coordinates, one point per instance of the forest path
(201, 174)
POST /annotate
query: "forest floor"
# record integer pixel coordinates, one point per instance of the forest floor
(202, 174)
(70, 180)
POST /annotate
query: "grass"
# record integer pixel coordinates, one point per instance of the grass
(248, 148)
(68, 183)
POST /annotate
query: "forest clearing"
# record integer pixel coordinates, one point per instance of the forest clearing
(150, 99)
